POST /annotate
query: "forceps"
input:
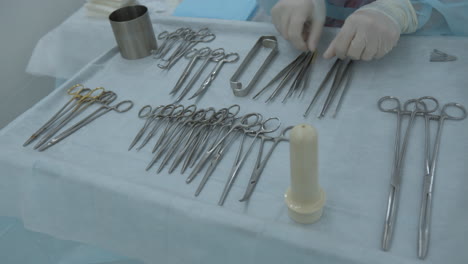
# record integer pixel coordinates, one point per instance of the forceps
(120, 107)
(67, 107)
(237, 123)
(84, 102)
(392, 203)
(145, 112)
(240, 158)
(170, 108)
(228, 58)
(215, 55)
(260, 164)
(428, 185)
(194, 55)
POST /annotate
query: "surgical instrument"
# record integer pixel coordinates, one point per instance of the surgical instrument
(399, 155)
(260, 163)
(120, 107)
(82, 104)
(194, 55)
(240, 158)
(337, 81)
(266, 42)
(213, 56)
(428, 183)
(76, 95)
(227, 58)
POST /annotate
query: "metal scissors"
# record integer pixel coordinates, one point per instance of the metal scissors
(215, 55)
(240, 158)
(261, 164)
(399, 155)
(228, 58)
(194, 55)
(428, 186)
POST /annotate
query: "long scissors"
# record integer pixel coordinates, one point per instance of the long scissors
(261, 164)
(228, 58)
(428, 186)
(392, 205)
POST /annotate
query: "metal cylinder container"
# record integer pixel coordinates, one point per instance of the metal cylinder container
(133, 31)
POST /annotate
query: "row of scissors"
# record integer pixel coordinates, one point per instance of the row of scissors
(206, 55)
(82, 101)
(423, 107)
(199, 138)
(174, 45)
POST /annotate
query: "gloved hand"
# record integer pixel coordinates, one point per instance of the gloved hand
(300, 21)
(373, 30)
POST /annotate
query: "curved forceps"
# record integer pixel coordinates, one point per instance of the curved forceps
(392, 203)
(428, 186)
(261, 164)
(239, 161)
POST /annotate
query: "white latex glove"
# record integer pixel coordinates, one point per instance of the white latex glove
(373, 30)
(300, 21)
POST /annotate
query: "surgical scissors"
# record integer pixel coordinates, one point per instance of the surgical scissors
(261, 164)
(227, 58)
(240, 158)
(215, 55)
(428, 186)
(194, 55)
(399, 155)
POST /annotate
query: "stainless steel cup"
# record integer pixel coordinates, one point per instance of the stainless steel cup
(133, 31)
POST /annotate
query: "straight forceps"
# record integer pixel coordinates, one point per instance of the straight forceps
(261, 164)
(399, 155)
(243, 122)
(240, 158)
(194, 55)
(285, 71)
(84, 102)
(76, 94)
(215, 55)
(120, 107)
(145, 112)
(164, 113)
(428, 183)
(228, 58)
